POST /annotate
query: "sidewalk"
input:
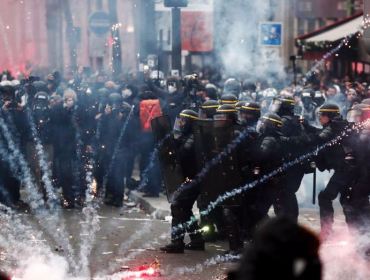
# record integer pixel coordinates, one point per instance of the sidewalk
(159, 208)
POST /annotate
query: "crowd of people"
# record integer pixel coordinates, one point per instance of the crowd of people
(89, 117)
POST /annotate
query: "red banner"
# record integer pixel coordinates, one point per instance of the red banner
(197, 31)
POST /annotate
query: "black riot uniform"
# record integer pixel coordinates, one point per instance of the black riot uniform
(331, 157)
(217, 216)
(269, 158)
(355, 196)
(237, 218)
(207, 111)
(181, 208)
(293, 126)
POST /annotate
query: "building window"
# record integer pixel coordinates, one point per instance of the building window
(305, 7)
(301, 26)
(311, 24)
(342, 6)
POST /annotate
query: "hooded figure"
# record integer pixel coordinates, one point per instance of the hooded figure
(281, 249)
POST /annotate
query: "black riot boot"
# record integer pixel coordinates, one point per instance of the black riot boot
(233, 231)
(174, 248)
(196, 243)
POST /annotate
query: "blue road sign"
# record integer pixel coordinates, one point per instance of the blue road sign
(271, 33)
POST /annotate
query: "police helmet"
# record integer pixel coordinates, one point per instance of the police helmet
(208, 109)
(282, 105)
(226, 112)
(228, 99)
(330, 110)
(184, 120)
(271, 123)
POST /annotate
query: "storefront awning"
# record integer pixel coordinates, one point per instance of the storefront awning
(335, 31)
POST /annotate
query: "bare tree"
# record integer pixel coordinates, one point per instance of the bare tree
(71, 34)
(116, 47)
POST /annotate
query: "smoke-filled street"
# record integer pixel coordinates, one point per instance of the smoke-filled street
(184, 139)
(127, 241)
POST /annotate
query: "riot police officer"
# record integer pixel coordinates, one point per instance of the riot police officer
(331, 157)
(270, 158)
(354, 198)
(226, 112)
(237, 218)
(287, 203)
(181, 207)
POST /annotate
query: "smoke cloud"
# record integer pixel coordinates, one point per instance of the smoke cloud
(238, 48)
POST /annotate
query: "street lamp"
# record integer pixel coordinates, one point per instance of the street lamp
(176, 31)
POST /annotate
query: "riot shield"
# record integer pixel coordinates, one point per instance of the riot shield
(211, 138)
(166, 146)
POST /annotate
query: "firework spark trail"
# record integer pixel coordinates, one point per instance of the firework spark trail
(4, 194)
(35, 196)
(134, 254)
(79, 162)
(52, 197)
(343, 43)
(125, 246)
(90, 225)
(50, 221)
(18, 239)
(117, 147)
(152, 157)
(266, 177)
(179, 271)
(221, 259)
(10, 158)
(207, 167)
(145, 174)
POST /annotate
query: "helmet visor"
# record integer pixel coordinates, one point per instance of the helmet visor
(275, 105)
(354, 116)
(261, 127)
(202, 113)
(180, 123)
(221, 117)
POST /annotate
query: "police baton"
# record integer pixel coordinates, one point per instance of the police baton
(313, 165)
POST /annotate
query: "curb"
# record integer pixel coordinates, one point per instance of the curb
(155, 212)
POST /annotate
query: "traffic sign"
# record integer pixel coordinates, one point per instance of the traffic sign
(99, 23)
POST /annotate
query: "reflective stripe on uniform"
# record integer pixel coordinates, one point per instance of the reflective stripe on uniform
(270, 119)
(189, 116)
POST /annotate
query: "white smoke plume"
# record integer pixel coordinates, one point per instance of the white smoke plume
(238, 48)
(344, 257)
